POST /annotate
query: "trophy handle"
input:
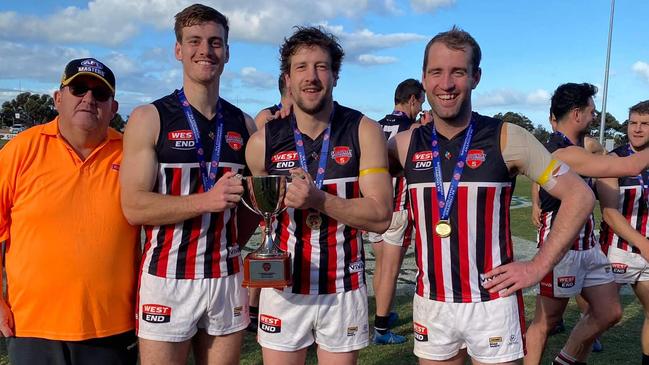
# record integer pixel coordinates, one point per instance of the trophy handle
(245, 203)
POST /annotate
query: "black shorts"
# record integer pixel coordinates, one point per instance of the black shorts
(113, 350)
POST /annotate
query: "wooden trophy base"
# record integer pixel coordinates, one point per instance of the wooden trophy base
(267, 272)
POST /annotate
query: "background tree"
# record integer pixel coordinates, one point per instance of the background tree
(541, 133)
(613, 129)
(516, 118)
(33, 109)
(118, 122)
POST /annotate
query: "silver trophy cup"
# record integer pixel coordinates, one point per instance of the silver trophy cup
(268, 266)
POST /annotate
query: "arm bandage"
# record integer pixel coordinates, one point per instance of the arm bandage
(532, 158)
(374, 170)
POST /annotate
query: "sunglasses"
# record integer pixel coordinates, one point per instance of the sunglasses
(100, 93)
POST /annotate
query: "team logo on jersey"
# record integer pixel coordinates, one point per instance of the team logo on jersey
(421, 332)
(357, 266)
(423, 160)
(181, 139)
(285, 160)
(566, 281)
(341, 154)
(495, 341)
(234, 251)
(475, 158)
(115, 166)
(156, 313)
(619, 268)
(234, 140)
(270, 324)
(484, 279)
(351, 331)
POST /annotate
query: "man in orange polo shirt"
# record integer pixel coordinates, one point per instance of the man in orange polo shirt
(71, 256)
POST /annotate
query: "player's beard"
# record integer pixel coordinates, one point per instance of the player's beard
(314, 109)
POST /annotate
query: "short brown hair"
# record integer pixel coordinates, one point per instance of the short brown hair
(457, 39)
(640, 108)
(199, 14)
(309, 37)
(406, 89)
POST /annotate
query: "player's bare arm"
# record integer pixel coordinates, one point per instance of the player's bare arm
(398, 150)
(524, 154)
(373, 211)
(263, 117)
(593, 146)
(138, 175)
(585, 163)
(256, 153)
(536, 206)
(608, 193)
(247, 220)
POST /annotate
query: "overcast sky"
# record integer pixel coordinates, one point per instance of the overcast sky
(529, 47)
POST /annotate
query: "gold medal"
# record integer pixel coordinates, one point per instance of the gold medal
(443, 228)
(313, 220)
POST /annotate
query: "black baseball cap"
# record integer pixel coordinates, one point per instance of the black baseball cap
(90, 67)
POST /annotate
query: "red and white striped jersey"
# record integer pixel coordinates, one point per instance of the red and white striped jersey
(204, 246)
(632, 204)
(328, 256)
(584, 240)
(450, 269)
(550, 206)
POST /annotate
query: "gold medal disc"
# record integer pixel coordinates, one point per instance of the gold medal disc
(443, 228)
(313, 220)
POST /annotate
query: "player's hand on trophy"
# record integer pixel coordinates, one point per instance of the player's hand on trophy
(302, 193)
(507, 279)
(226, 192)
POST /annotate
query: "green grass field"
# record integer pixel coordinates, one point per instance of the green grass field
(621, 343)
(3, 142)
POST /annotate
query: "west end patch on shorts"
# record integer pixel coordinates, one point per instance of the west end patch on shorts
(627, 267)
(156, 313)
(173, 310)
(491, 331)
(575, 271)
(336, 322)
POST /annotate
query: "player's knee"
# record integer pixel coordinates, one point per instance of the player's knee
(615, 315)
(609, 317)
(547, 322)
